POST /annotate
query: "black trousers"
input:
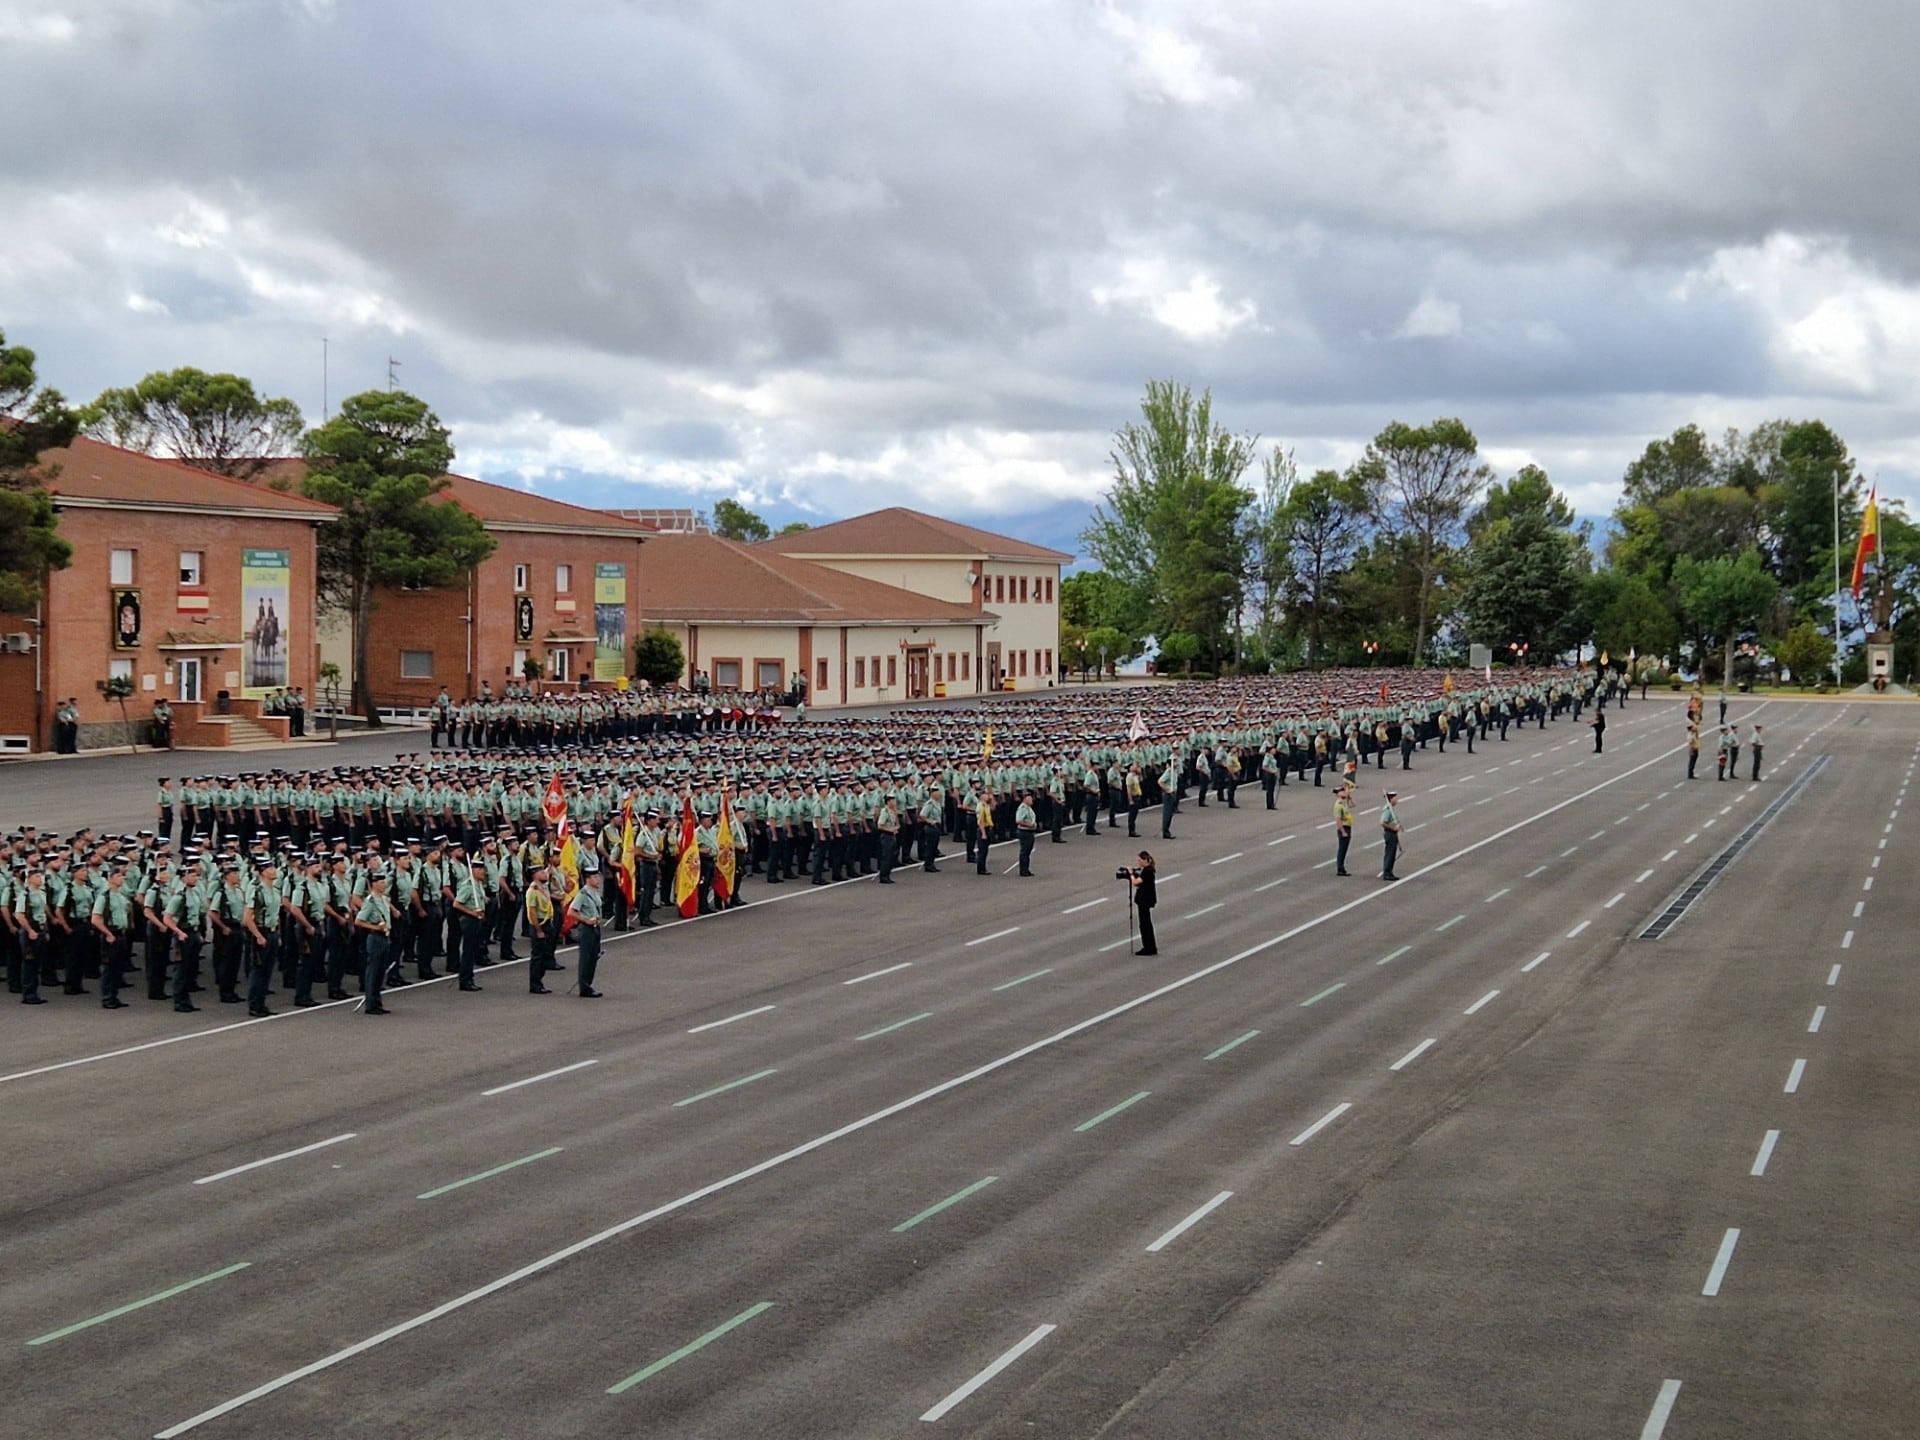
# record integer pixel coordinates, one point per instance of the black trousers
(1147, 945)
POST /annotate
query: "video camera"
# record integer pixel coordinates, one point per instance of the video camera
(1127, 873)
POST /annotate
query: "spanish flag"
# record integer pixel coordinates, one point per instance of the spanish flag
(625, 861)
(723, 859)
(986, 744)
(1869, 539)
(686, 878)
(570, 871)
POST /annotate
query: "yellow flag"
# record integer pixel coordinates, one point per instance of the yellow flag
(986, 744)
(723, 860)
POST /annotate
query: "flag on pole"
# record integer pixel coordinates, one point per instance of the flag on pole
(626, 863)
(1869, 539)
(1137, 731)
(686, 877)
(986, 744)
(1447, 684)
(723, 859)
(554, 806)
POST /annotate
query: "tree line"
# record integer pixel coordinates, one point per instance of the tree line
(1222, 556)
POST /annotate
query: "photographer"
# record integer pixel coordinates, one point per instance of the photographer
(1140, 878)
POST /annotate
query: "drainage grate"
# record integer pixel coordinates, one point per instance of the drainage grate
(1684, 901)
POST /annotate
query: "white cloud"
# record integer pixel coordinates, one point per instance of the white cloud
(1432, 318)
(1188, 304)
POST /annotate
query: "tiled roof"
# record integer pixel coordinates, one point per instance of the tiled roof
(89, 470)
(508, 504)
(899, 531)
(704, 579)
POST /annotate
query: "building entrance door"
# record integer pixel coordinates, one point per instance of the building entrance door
(187, 670)
(916, 674)
(993, 665)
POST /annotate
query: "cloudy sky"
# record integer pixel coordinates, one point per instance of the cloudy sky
(849, 253)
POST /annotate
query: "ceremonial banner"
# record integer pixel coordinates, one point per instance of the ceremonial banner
(723, 860)
(686, 878)
(126, 619)
(609, 622)
(1869, 539)
(986, 744)
(265, 579)
(626, 859)
(1137, 731)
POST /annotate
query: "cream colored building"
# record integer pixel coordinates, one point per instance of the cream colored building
(749, 619)
(1014, 587)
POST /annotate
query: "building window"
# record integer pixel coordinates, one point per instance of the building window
(522, 577)
(820, 683)
(562, 579)
(953, 665)
(518, 669)
(560, 661)
(772, 674)
(120, 669)
(191, 568)
(876, 670)
(859, 672)
(1046, 584)
(999, 589)
(1023, 589)
(120, 567)
(892, 669)
(416, 664)
(726, 674)
(1021, 656)
(1049, 661)
(966, 665)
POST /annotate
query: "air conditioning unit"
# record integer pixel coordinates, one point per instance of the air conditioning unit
(20, 642)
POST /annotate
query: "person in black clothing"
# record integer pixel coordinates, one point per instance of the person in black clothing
(1599, 729)
(1143, 901)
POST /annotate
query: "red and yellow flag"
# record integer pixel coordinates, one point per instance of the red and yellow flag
(686, 876)
(625, 862)
(1869, 539)
(723, 859)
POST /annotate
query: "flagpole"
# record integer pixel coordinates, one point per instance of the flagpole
(1836, 578)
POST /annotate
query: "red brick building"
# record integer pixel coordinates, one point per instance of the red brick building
(562, 587)
(186, 582)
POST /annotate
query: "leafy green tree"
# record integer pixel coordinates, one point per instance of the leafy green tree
(217, 422)
(1327, 519)
(793, 527)
(1269, 548)
(1527, 567)
(1684, 461)
(1811, 465)
(734, 521)
(1170, 526)
(1181, 647)
(382, 463)
(658, 657)
(1094, 600)
(1725, 597)
(32, 419)
(1428, 478)
(1635, 621)
(1807, 653)
(1108, 646)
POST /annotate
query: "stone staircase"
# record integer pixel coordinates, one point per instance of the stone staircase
(244, 734)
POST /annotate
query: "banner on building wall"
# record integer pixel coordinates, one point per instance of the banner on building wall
(126, 619)
(522, 619)
(609, 622)
(266, 640)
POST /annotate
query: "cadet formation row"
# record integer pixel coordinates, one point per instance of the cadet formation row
(306, 881)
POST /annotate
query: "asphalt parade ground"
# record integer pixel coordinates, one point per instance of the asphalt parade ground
(1461, 1156)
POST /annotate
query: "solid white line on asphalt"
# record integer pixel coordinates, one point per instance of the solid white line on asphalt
(1767, 1142)
(1536, 870)
(1203, 910)
(1846, 941)
(1668, 856)
(1793, 1076)
(1505, 890)
(853, 1127)
(1535, 961)
(1225, 858)
(1720, 1263)
(1281, 841)
(1088, 905)
(1819, 1014)
(536, 1079)
(1641, 879)
(996, 935)
(1656, 1425)
(273, 1159)
(716, 1024)
(1412, 1055)
(1187, 1224)
(876, 974)
(1578, 928)
(1317, 1126)
(1481, 1001)
(1614, 901)
(1833, 976)
(1039, 1333)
